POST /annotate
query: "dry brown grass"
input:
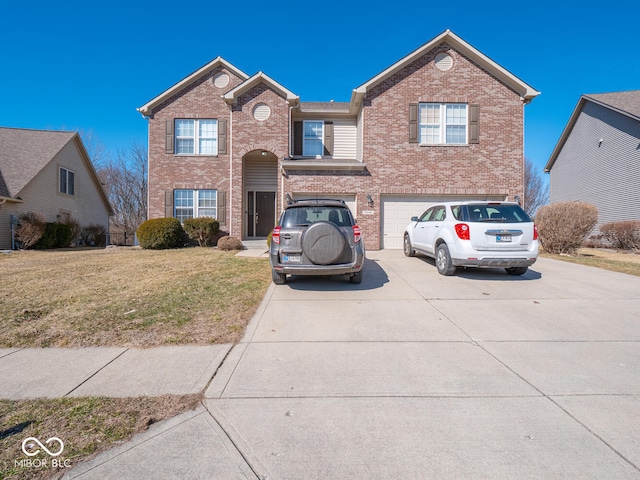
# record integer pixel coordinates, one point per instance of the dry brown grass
(617, 261)
(127, 297)
(87, 426)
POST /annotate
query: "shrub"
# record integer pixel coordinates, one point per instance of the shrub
(75, 230)
(623, 235)
(160, 233)
(93, 235)
(30, 229)
(204, 230)
(563, 226)
(56, 235)
(230, 243)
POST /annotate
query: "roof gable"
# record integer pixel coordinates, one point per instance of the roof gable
(24, 153)
(526, 91)
(624, 103)
(147, 108)
(232, 95)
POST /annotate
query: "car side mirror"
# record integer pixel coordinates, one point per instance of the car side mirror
(414, 219)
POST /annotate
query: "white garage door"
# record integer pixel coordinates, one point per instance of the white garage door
(398, 210)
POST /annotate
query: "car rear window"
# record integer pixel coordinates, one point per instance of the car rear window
(306, 215)
(494, 212)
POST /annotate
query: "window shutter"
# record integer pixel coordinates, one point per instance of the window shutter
(168, 203)
(297, 138)
(474, 132)
(222, 207)
(413, 123)
(168, 139)
(222, 136)
(328, 138)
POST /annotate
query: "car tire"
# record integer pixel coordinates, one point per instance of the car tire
(323, 243)
(443, 260)
(517, 270)
(356, 277)
(278, 278)
(407, 247)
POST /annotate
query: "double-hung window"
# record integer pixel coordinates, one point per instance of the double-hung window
(67, 181)
(194, 203)
(442, 123)
(196, 137)
(313, 136)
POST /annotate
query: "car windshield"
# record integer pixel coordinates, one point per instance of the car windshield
(496, 212)
(308, 214)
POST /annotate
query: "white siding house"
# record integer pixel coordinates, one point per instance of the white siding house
(50, 173)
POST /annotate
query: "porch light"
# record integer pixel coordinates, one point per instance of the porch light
(369, 201)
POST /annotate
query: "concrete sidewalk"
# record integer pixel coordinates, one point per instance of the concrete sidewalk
(408, 375)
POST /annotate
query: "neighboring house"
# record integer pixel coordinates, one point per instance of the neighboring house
(597, 159)
(445, 122)
(48, 172)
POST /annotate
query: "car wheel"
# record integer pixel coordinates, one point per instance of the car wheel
(278, 278)
(443, 260)
(356, 277)
(517, 270)
(323, 243)
(408, 249)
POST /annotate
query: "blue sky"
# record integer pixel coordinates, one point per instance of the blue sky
(83, 65)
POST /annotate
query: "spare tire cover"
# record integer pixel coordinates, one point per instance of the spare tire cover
(323, 243)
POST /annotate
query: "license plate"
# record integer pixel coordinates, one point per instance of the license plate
(503, 238)
(291, 259)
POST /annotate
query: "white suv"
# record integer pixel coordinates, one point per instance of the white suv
(474, 234)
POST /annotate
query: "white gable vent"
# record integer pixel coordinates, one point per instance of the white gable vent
(221, 79)
(444, 61)
(261, 112)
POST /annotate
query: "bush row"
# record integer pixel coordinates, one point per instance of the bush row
(623, 235)
(33, 231)
(163, 233)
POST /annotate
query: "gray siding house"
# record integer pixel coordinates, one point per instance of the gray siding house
(48, 172)
(597, 159)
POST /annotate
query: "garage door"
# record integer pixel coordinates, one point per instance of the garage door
(398, 210)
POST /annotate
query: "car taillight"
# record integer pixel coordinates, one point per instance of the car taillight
(356, 234)
(275, 235)
(462, 230)
(535, 231)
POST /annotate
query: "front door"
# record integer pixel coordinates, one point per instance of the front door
(262, 212)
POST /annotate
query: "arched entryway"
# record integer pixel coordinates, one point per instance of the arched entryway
(260, 184)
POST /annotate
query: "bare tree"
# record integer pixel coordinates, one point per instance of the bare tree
(536, 191)
(124, 177)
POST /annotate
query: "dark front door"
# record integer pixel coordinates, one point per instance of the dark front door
(265, 213)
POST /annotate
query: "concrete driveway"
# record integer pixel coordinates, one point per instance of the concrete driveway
(416, 375)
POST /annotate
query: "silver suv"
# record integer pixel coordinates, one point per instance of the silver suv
(474, 234)
(316, 237)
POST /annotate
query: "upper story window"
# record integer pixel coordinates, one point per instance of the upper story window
(195, 203)
(442, 123)
(67, 181)
(196, 137)
(312, 144)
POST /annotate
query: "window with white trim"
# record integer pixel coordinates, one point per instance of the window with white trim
(312, 139)
(195, 203)
(67, 181)
(196, 137)
(442, 123)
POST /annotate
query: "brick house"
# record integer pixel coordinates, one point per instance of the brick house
(445, 122)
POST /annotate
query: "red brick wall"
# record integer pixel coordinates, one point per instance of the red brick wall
(393, 165)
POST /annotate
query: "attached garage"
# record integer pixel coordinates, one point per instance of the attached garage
(398, 210)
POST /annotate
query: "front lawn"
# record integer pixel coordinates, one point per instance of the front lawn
(128, 297)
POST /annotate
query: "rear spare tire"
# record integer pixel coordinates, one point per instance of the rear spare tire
(323, 243)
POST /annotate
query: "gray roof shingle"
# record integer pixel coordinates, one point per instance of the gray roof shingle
(627, 102)
(23, 153)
